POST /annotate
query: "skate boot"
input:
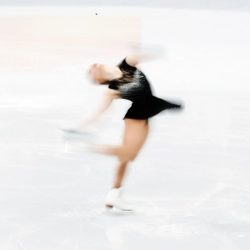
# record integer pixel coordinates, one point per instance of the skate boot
(114, 199)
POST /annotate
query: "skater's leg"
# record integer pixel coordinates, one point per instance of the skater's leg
(134, 137)
(114, 195)
(135, 134)
(120, 174)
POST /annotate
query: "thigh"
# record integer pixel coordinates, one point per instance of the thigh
(136, 132)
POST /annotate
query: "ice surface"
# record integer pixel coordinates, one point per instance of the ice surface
(190, 183)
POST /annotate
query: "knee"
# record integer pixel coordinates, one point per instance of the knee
(126, 158)
(127, 154)
(133, 156)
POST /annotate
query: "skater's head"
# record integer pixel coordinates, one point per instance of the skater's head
(97, 73)
(102, 74)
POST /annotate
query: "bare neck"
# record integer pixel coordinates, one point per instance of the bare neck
(113, 72)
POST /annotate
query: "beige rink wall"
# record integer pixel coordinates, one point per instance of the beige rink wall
(45, 40)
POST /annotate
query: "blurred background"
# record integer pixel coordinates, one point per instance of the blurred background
(180, 4)
(190, 183)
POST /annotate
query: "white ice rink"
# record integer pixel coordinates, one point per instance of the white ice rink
(190, 183)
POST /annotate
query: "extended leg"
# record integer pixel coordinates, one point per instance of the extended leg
(135, 134)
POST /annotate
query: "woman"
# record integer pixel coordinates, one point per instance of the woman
(127, 81)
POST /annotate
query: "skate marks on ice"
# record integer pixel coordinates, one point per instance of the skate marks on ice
(219, 219)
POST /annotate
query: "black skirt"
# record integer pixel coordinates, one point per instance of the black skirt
(149, 108)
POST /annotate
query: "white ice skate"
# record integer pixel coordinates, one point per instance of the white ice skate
(78, 140)
(114, 199)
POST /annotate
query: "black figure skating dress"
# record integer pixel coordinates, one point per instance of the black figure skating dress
(134, 86)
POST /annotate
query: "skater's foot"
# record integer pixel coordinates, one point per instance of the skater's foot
(114, 199)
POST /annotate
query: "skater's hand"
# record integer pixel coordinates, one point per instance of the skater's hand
(106, 101)
(142, 52)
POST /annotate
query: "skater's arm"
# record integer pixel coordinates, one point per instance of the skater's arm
(106, 101)
(144, 53)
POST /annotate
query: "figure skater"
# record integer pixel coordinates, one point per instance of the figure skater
(127, 81)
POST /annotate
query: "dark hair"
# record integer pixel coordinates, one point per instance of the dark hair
(127, 77)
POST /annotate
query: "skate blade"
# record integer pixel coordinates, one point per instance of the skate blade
(117, 209)
(77, 135)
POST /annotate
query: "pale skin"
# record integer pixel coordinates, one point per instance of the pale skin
(136, 131)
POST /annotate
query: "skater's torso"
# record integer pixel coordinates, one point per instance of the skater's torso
(133, 85)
